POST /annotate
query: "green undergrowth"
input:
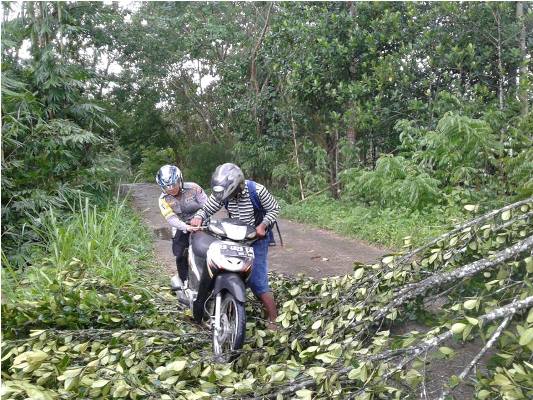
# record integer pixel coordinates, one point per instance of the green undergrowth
(86, 258)
(383, 226)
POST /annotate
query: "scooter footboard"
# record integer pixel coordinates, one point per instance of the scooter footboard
(232, 283)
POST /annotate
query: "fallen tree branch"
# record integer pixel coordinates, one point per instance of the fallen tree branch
(370, 282)
(92, 333)
(507, 311)
(482, 352)
(460, 273)
(468, 224)
(412, 352)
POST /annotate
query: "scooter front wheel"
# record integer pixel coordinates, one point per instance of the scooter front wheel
(229, 326)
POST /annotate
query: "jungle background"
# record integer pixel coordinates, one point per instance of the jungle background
(403, 124)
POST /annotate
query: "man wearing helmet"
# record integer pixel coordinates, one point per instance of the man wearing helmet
(232, 191)
(178, 203)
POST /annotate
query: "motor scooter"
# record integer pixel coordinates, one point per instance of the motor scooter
(220, 259)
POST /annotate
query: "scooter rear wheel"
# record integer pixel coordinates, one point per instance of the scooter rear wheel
(229, 335)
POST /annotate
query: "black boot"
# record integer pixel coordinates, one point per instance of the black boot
(183, 268)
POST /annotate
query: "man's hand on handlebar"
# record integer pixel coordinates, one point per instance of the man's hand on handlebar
(191, 228)
(260, 231)
(196, 222)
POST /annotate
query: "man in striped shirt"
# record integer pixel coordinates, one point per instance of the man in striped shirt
(230, 190)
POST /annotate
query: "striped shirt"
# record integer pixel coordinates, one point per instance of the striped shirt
(242, 208)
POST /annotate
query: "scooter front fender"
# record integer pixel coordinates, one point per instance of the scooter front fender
(231, 282)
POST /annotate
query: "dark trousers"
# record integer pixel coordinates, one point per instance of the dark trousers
(180, 242)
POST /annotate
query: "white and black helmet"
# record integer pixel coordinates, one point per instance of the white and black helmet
(226, 181)
(168, 177)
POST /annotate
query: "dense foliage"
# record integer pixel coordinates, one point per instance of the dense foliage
(306, 91)
(391, 121)
(419, 106)
(53, 147)
(412, 105)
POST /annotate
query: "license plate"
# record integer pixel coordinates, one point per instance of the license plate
(236, 251)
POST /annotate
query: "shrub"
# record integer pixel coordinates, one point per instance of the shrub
(461, 151)
(153, 159)
(201, 160)
(395, 182)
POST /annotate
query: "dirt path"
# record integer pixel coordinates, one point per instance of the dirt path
(308, 250)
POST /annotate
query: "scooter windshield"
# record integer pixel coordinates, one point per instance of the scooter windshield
(234, 232)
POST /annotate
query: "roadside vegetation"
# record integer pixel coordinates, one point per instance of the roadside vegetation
(388, 227)
(400, 123)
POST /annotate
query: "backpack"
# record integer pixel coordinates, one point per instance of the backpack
(259, 211)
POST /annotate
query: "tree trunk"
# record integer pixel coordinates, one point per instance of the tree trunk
(332, 152)
(253, 71)
(199, 109)
(302, 195)
(497, 18)
(350, 134)
(522, 74)
(374, 151)
(350, 131)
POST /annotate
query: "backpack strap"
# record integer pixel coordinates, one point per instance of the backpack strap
(259, 211)
(252, 190)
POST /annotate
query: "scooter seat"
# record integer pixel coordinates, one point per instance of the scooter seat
(200, 242)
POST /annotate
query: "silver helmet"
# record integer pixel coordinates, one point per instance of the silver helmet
(227, 180)
(168, 177)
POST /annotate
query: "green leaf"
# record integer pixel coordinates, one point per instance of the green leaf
(446, 351)
(70, 383)
(526, 337)
(359, 273)
(70, 373)
(316, 372)
(316, 325)
(387, 260)
(177, 365)
(470, 304)
(359, 373)
(277, 376)
(501, 380)
(483, 394)
(506, 215)
(413, 376)
(458, 327)
(529, 264)
(121, 389)
(100, 383)
(304, 394)
(36, 357)
(327, 358)
(454, 381)
(467, 331)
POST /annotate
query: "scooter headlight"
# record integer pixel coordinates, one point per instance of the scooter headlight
(220, 255)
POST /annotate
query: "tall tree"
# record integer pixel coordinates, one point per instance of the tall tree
(523, 74)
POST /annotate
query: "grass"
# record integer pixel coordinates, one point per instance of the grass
(386, 227)
(108, 241)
